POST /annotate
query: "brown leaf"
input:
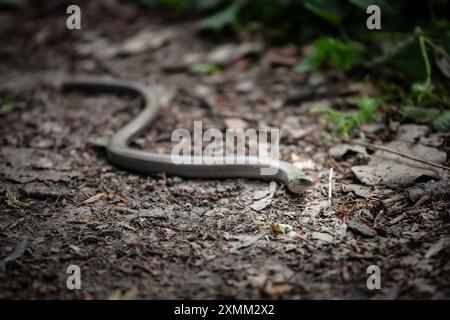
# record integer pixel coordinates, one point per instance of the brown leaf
(276, 291)
(129, 294)
(266, 201)
(394, 170)
(81, 221)
(438, 247)
(98, 196)
(12, 201)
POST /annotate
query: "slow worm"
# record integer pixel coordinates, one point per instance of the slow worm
(145, 162)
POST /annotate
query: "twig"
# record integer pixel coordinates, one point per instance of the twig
(135, 214)
(373, 146)
(330, 186)
(421, 201)
(150, 215)
(16, 254)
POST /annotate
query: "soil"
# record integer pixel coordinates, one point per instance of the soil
(62, 203)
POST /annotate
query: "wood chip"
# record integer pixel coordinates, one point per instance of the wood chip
(361, 228)
(438, 247)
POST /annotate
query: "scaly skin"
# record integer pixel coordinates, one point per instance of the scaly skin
(144, 162)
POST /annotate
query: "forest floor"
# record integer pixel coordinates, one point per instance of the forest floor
(62, 203)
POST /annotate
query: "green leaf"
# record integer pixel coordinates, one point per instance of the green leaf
(408, 60)
(226, 17)
(309, 63)
(12, 3)
(367, 108)
(344, 122)
(418, 114)
(331, 11)
(5, 105)
(204, 68)
(442, 122)
(333, 52)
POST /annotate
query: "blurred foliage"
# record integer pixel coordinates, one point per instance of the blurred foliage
(204, 68)
(402, 54)
(412, 33)
(5, 105)
(337, 27)
(12, 3)
(333, 53)
(442, 122)
(345, 121)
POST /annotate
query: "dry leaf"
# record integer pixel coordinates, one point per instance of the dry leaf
(361, 228)
(340, 150)
(276, 291)
(305, 164)
(281, 228)
(12, 201)
(229, 53)
(244, 240)
(393, 170)
(129, 294)
(325, 237)
(145, 40)
(264, 202)
(98, 196)
(437, 247)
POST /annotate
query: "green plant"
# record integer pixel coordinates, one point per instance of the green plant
(12, 3)
(345, 121)
(5, 105)
(402, 53)
(204, 68)
(225, 17)
(332, 52)
(419, 114)
(442, 122)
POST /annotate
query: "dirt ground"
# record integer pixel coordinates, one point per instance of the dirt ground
(62, 203)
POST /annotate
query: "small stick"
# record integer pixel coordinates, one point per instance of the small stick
(373, 146)
(150, 215)
(329, 186)
(421, 201)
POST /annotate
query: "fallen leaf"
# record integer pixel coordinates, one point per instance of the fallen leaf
(81, 221)
(287, 57)
(437, 247)
(266, 201)
(276, 291)
(244, 240)
(98, 196)
(12, 201)
(245, 86)
(340, 150)
(129, 294)
(325, 237)
(229, 53)
(393, 170)
(145, 40)
(281, 228)
(361, 228)
(257, 281)
(75, 249)
(307, 164)
(360, 190)
(16, 254)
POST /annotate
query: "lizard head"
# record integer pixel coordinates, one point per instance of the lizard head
(300, 183)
